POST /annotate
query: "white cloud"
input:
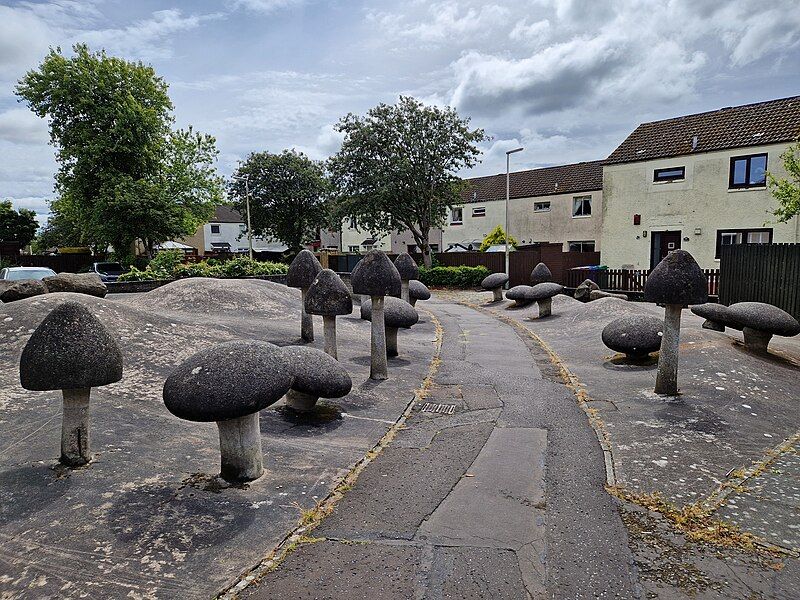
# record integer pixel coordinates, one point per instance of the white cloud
(532, 34)
(265, 6)
(21, 126)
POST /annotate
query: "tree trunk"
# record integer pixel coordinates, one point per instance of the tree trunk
(426, 253)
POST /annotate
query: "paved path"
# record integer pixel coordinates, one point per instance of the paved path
(494, 489)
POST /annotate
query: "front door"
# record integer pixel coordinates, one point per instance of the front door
(663, 242)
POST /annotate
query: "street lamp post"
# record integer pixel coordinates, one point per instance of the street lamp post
(508, 193)
(246, 180)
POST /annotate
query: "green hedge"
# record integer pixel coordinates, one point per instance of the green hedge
(458, 277)
(236, 267)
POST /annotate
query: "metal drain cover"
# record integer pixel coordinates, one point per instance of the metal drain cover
(444, 409)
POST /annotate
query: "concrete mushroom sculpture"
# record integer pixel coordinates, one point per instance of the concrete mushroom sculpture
(304, 269)
(377, 277)
(543, 294)
(677, 281)
(229, 384)
(417, 291)
(520, 294)
(583, 291)
(636, 336)
(315, 375)
(328, 296)
(408, 269)
(717, 316)
(760, 322)
(541, 274)
(71, 351)
(494, 283)
(396, 314)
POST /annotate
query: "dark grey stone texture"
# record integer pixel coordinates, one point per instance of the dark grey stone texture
(304, 269)
(228, 381)
(70, 349)
(27, 288)
(418, 290)
(396, 312)
(493, 281)
(584, 289)
(597, 294)
(677, 279)
(541, 274)
(541, 291)
(406, 266)
(764, 317)
(520, 294)
(79, 283)
(316, 373)
(716, 313)
(635, 335)
(328, 296)
(376, 276)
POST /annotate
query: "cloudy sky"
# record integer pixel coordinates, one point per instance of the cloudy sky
(567, 79)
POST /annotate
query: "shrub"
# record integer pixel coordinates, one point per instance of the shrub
(147, 274)
(458, 277)
(166, 268)
(167, 260)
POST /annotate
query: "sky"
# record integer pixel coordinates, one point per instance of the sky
(566, 79)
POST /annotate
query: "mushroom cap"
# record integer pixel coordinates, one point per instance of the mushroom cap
(545, 290)
(636, 335)
(19, 290)
(418, 290)
(519, 292)
(396, 312)
(79, 283)
(317, 373)
(494, 281)
(70, 349)
(406, 266)
(541, 274)
(303, 270)
(677, 279)
(328, 296)
(375, 275)
(764, 317)
(228, 381)
(718, 313)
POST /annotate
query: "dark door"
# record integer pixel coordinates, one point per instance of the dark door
(663, 242)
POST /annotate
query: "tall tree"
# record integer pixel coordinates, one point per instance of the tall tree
(787, 191)
(123, 174)
(58, 232)
(397, 167)
(288, 196)
(17, 225)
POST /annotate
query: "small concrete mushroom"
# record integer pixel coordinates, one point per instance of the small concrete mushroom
(543, 294)
(229, 384)
(583, 291)
(677, 281)
(418, 291)
(541, 274)
(520, 295)
(408, 269)
(396, 314)
(636, 336)
(328, 296)
(304, 269)
(760, 322)
(717, 316)
(316, 375)
(71, 351)
(494, 283)
(377, 277)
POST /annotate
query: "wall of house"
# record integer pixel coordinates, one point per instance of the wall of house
(401, 240)
(698, 206)
(353, 236)
(556, 225)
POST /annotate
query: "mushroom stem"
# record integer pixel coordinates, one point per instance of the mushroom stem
(404, 291)
(545, 307)
(713, 325)
(329, 331)
(498, 294)
(306, 322)
(379, 367)
(75, 428)
(391, 341)
(667, 377)
(240, 448)
(756, 340)
(413, 302)
(300, 401)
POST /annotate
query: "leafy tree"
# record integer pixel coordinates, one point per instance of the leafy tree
(17, 225)
(58, 232)
(288, 196)
(787, 191)
(397, 167)
(496, 237)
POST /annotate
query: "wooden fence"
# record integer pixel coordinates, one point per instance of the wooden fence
(629, 280)
(761, 273)
(60, 263)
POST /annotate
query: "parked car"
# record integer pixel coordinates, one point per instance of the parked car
(108, 271)
(20, 273)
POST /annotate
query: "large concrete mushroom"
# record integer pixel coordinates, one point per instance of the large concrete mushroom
(417, 291)
(760, 322)
(328, 296)
(315, 375)
(304, 269)
(717, 316)
(677, 281)
(541, 274)
(229, 384)
(520, 294)
(396, 314)
(71, 351)
(494, 283)
(408, 269)
(377, 277)
(543, 294)
(636, 336)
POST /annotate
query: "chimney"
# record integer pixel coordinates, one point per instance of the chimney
(694, 143)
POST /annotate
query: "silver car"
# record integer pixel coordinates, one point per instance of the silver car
(20, 273)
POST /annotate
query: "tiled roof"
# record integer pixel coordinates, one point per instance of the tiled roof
(563, 179)
(733, 127)
(226, 214)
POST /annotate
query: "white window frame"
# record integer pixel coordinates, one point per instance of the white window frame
(479, 211)
(460, 220)
(544, 206)
(353, 248)
(581, 199)
(219, 229)
(582, 243)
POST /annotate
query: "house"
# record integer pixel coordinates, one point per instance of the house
(697, 182)
(561, 204)
(226, 231)
(354, 239)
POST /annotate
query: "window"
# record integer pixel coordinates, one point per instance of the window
(242, 228)
(215, 229)
(352, 248)
(353, 223)
(541, 206)
(582, 246)
(748, 171)
(669, 174)
(582, 206)
(479, 211)
(434, 247)
(456, 215)
(731, 237)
